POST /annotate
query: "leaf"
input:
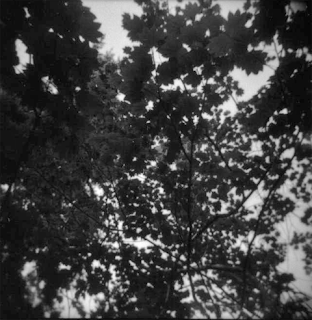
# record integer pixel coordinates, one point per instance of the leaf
(89, 103)
(141, 67)
(188, 105)
(191, 10)
(221, 45)
(138, 108)
(192, 34)
(171, 47)
(304, 151)
(235, 23)
(286, 278)
(173, 151)
(152, 37)
(307, 216)
(213, 23)
(174, 25)
(167, 73)
(203, 295)
(89, 30)
(193, 78)
(134, 26)
(252, 62)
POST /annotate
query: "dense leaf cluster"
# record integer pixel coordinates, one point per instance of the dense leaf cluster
(163, 203)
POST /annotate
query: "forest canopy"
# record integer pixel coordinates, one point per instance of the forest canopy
(132, 184)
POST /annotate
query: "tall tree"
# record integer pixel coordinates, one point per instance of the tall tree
(207, 165)
(45, 117)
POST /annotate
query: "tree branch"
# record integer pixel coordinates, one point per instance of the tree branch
(267, 201)
(249, 313)
(218, 150)
(189, 209)
(218, 267)
(200, 307)
(6, 199)
(215, 305)
(244, 200)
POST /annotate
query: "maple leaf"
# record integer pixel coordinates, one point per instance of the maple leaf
(191, 10)
(252, 62)
(134, 26)
(221, 45)
(171, 47)
(89, 103)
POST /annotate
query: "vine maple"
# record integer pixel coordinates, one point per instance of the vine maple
(160, 204)
(208, 168)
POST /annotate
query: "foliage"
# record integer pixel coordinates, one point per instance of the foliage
(42, 128)
(163, 204)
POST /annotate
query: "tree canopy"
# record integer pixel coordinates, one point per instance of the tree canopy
(132, 182)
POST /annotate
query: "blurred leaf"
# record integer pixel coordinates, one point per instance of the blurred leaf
(221, 45)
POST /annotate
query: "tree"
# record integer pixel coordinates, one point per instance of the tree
(212, 162)
(43, 121)
(148, 204)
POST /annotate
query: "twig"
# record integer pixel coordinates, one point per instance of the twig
(201, 308)
(268, 199)
(218, 150)
(6, 198)
(216, 307)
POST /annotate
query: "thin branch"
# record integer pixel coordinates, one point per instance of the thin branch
(201, 308)
(6, 199)
(233, 212)
(110, 179)
(218, 150)
(103, 225)
(267, 201)
(248, 312)
(159, 96)
(184, 85)
(174, 214)
(144, 238)
(189, 209)
(244, 200)
(215, 305)
(276, 51)
(61, 192)
(178, 136)
(218, 267)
